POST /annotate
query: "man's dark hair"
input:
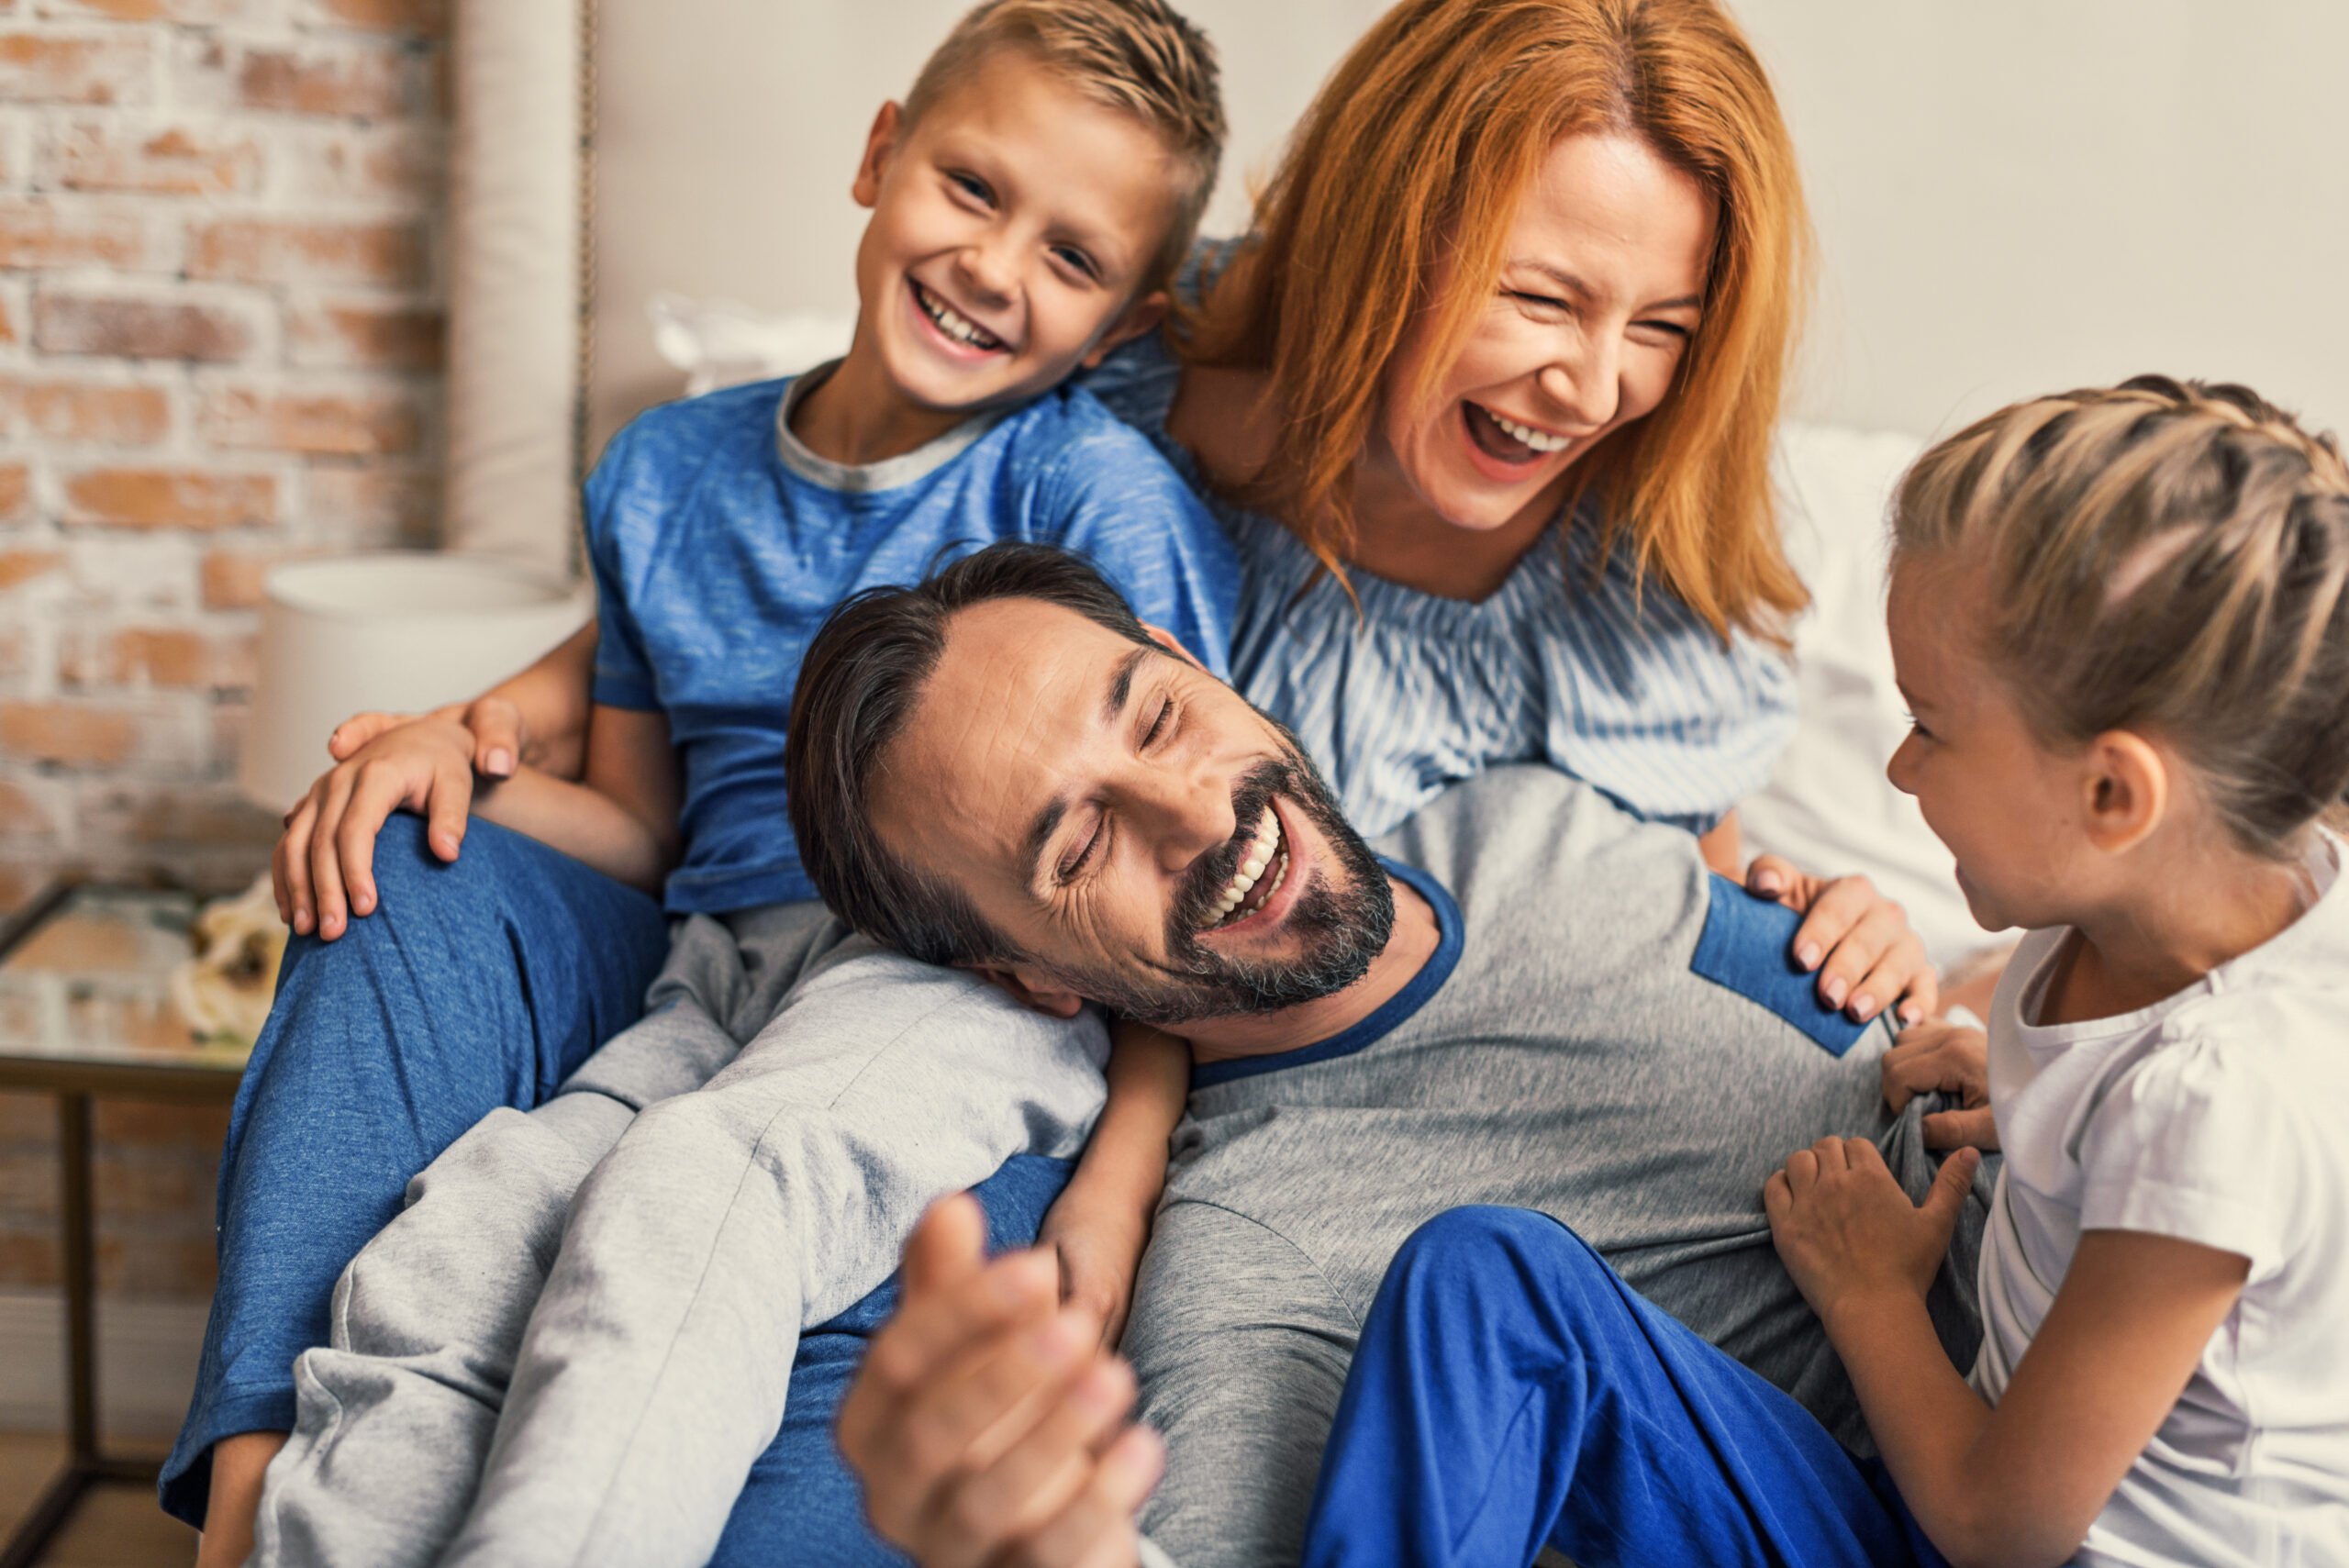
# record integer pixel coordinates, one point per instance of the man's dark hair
(858, 686)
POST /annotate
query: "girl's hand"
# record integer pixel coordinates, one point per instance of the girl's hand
(1945, 1058)
(1100, 1246)
(1857, 938)
(1848, 1233)
(323, 867)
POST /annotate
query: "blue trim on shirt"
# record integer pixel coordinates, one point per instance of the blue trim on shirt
(1388, 1016)
(1748, 946)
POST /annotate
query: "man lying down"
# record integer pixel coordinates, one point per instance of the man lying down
(1526, 996)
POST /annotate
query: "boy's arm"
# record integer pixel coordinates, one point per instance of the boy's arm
(1101, 1221)
(538, 716)
(621, 817)
(2022, 1483)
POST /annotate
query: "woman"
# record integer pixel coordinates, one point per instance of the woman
(1487, 402)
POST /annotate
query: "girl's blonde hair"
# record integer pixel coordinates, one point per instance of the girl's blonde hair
(2165, 557)
(1413, 157)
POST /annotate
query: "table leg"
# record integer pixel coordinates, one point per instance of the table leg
(80, 1281)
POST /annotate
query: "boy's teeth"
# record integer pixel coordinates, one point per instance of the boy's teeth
(1541, 441)
(954, 323)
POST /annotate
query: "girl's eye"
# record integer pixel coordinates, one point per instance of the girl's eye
(1077, 262)
(1918, 730)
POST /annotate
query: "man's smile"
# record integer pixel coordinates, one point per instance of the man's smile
(1260, 876)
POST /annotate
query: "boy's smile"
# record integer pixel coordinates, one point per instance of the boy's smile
(1013, 225)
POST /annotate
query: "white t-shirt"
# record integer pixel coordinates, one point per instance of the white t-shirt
(2220, 1115)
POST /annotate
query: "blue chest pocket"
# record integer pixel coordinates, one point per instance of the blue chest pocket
(1748, 946)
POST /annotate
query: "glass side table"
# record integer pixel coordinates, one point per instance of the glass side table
(86, 1011)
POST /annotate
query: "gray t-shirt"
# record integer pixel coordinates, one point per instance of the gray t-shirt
(1559, 1053)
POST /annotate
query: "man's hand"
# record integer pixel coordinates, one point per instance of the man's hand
(986, 1425)
(1848, 1233)
(1945, 1058)
(1100, 1246)
(323, 867)
(1857, 938)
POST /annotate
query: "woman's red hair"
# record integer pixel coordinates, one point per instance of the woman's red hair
(1414, 155)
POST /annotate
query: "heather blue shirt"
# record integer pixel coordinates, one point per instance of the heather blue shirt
(720, 543)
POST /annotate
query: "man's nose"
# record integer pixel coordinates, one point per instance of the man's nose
(1186, 812)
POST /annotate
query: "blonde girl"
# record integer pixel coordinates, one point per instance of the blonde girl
(2121, 620)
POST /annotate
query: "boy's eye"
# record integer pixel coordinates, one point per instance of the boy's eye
(1077, 262)
(1918, 729)
(972, 186)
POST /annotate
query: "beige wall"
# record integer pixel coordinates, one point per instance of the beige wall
(2012, 194)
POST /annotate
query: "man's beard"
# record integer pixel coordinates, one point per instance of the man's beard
(1342, 920)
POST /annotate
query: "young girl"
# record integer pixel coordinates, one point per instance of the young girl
(2121, 620)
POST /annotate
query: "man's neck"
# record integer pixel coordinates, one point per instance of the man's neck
(856, 415)
(1408, 947)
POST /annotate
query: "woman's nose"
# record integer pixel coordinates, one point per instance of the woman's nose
(1587, 382)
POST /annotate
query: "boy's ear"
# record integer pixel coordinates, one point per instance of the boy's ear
(1030, 988)
(2126, 787)
(880, 146)
(1142, 315)
(1169, 641)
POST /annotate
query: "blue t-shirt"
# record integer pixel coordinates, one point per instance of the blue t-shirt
(720, 544)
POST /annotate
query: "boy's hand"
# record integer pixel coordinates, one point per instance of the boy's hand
(323, 867)
(499, 734)
(1945, 1058)
(1858, 940)
(1848, 1233)
(1100, 1246)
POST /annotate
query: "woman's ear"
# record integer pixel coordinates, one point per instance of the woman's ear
(880, 146)
(2126, 788)
(1030, 988)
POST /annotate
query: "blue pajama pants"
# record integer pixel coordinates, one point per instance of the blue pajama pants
(1511, 1393)
(476, 985)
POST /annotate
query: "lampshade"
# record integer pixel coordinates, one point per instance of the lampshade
(399, 631)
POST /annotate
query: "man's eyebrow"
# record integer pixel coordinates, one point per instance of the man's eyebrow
(1114, 699)
(1581, 290)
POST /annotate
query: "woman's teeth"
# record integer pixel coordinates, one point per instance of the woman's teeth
(1264, 852)
(954, 323)
(1527, 435)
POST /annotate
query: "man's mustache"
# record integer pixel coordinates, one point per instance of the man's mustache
(1202, 892)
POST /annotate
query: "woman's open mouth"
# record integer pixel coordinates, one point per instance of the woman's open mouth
(1507, 441)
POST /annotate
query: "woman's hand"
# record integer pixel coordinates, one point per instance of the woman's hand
(1100, 1244)
(1857, 938)
(1848, 1233)
(1942, 1058)
(323, 867)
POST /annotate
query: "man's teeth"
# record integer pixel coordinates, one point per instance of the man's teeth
(1540, 441)
(1264, 852)
(954, 323)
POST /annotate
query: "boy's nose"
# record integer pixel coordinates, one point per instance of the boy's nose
(988, 271)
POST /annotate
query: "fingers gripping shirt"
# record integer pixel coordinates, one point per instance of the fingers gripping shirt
(719, 543)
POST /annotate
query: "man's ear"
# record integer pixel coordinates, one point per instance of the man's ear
(1142, 315)
(880, 146)
(2125, 786)
(1030, 988)
(1169, 641)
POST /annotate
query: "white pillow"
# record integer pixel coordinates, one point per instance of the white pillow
(1829, 807)
(719, 343)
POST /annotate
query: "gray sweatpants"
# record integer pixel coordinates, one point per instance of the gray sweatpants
(576, 1337)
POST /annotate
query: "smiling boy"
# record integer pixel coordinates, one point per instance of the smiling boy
(1029, 200)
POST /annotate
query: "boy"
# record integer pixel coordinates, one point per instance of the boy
(1028, 202)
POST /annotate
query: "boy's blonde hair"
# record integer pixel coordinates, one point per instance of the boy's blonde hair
(1141, 56)
(2167, 557)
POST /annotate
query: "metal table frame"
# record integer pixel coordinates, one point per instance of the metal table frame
(76, 1085)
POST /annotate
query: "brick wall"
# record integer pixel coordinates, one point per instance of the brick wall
(219, 348)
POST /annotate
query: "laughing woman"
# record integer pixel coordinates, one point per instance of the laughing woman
(1486, 403)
